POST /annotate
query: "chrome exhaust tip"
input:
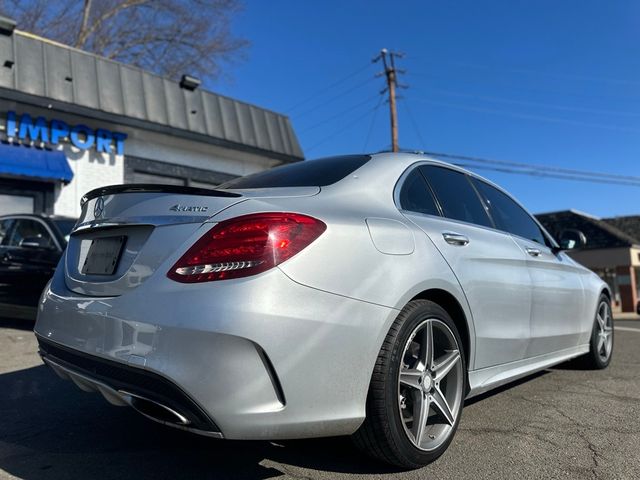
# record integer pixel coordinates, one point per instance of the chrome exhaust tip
(153, 410)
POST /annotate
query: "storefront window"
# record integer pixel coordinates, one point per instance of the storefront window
(10, 204)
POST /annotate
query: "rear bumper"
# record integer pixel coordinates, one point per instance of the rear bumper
(123, 385)
(257, 358)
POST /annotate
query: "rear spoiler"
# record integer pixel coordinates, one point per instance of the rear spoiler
(154, 188)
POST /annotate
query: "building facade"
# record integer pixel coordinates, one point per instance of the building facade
(612, 251)
(71, 121)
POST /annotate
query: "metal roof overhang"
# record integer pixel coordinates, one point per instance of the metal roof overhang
(47, 103)
(49, 75)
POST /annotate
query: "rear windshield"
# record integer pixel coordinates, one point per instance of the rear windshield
(309, 173)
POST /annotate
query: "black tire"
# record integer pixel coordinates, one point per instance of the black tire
(594, 360)
(382, 435)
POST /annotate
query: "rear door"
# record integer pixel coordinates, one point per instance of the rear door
(489, 266)
(557, 300)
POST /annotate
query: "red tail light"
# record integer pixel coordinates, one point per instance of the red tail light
(245, 246)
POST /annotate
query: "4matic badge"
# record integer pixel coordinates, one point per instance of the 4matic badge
(190, 208)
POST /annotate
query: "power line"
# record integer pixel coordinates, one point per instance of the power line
(339, 114)
(538, 170)
(328, 88)
(373, 121)
(546, 175)
(543, 118)
(509, 166)
(518, 86)
(413, 122)
(334, 98)
(527, 71)
(341, 130)
(534, 104)
(522, 165)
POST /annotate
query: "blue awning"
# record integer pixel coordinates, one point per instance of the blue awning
(24, 161)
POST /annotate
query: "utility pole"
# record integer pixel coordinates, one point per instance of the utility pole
(391, 73)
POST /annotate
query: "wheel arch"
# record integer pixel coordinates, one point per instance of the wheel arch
(453, 307)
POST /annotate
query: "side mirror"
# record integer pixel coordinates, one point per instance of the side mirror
(572, 239)
(34, 242)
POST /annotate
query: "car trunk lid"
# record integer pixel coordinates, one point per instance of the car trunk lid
(126, 232)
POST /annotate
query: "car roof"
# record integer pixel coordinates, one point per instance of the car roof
(407, 159)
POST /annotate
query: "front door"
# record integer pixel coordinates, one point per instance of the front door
(558, 299)
(25, 267)
(557, 295)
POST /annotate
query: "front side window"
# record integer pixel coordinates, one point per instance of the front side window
(30, 229)
(508, 215)
(5, 226)
(458, 199)
(415, 195)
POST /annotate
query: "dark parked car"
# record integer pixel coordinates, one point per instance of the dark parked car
(30, 248)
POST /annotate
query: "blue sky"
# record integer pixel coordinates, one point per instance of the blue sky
(546, 82)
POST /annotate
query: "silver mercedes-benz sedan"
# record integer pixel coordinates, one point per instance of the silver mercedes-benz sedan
(366, 295)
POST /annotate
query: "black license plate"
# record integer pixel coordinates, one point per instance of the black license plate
(104, 254)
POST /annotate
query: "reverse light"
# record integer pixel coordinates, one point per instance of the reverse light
(246, 245)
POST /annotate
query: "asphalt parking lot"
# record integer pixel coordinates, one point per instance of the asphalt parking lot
(561, 423)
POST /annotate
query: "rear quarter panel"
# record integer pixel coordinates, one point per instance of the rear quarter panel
(345, 261)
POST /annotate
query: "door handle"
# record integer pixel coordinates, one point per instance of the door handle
(534, 252)
(7, 257)
(455, 239)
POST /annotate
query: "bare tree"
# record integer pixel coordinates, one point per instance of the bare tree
(169, 37)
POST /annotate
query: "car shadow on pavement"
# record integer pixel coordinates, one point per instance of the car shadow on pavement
(51, 430)
(503, 388)
(575, 364)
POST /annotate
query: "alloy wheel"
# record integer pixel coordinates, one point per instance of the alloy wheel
(604, 332)
(430, 384)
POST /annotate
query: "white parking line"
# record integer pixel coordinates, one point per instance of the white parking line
(626, 329)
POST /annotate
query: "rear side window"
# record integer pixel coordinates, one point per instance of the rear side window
(415, 195)
(308, 173)
(457, 197)
(508, 215)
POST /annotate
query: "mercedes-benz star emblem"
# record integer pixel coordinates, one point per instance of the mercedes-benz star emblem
(98, 208)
